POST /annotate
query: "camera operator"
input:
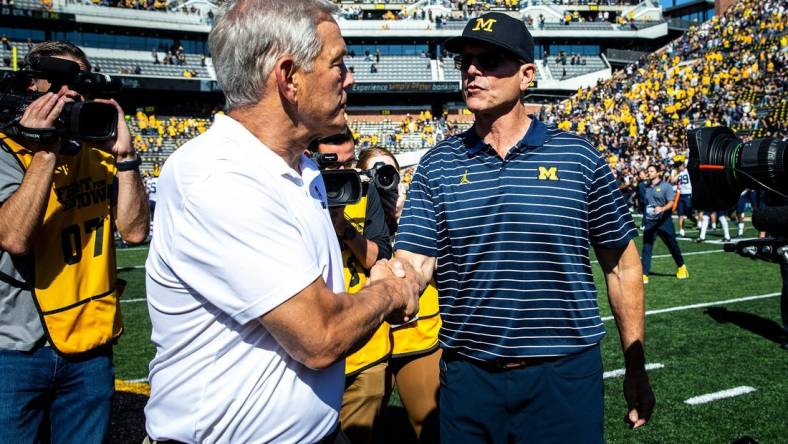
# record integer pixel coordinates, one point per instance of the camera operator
(364, 238)
(59, 297)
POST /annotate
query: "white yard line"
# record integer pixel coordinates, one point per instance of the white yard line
(119, 250)
(683, 254)
(709, 397)
(705, 304)
(620, 372)
(134, 300)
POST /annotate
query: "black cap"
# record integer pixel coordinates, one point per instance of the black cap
(498, 29)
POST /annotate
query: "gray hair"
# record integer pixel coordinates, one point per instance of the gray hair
(250, 35)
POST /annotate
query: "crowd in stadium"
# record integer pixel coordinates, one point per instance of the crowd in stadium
(728, 71)
(147, 5)
(639, 116)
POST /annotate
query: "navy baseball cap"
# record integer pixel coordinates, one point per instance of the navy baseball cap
(497, 29)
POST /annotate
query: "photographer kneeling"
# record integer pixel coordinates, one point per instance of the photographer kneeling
(364, 238)
(60, 199)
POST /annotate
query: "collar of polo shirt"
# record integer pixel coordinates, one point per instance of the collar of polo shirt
(535, 136)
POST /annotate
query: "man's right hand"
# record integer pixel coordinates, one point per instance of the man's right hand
(403, 285)
(44, 111)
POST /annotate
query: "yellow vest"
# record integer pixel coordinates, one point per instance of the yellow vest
(74, 283)
(422, 335)
(378, 348)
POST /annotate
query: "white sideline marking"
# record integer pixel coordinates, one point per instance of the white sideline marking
(134, 300)
(705, 304)
(709, 397)
(137, 267)
(118, 250)
(620, 372)
(683, 254)
(136, 380)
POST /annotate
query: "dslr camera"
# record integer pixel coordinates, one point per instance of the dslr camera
(85, 120)
(345, 187)
(721, 166)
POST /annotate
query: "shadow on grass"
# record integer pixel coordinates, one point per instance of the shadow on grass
(128, 422)
(128, 418)
(763, 327)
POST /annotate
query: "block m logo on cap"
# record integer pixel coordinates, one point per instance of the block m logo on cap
(484, 25)
(548, 173)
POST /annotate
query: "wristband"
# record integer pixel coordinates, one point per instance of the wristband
(129, 165)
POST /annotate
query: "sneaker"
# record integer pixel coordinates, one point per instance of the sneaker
(645, 279)
(681, 233)
(682, 272)
(726, 239)
(700, 240)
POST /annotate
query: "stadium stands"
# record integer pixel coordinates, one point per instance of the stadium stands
(126, 62)
(156, 137)
(390, 68)
(567, 66)
(727, 71)
(405, 133)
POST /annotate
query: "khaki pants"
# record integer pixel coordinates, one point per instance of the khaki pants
(362, 403)
(418, 381)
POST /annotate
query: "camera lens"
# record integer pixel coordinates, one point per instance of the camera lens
(721, 166)
(386, 176)
(342, 186)
(94, 121)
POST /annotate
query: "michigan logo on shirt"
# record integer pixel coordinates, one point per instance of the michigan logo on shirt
(548, 173)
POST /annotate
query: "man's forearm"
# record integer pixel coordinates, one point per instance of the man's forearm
(22, 213)
(133, 215)
(625, 292)
(358, 316)
(363, 249)
(318, 327)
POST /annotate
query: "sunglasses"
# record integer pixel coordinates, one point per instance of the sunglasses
(484, 61)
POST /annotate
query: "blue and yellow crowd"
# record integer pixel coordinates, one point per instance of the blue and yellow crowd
(728, 71)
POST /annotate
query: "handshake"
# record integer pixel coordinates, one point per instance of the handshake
(402, 282)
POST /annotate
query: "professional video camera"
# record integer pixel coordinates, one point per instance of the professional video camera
(721, 166)
(344, 186)
(85, 120)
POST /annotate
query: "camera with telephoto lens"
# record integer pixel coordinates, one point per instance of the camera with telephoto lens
(721, 166)
(84, 120)
(385, 177)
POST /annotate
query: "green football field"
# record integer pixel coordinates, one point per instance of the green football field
(715, 334)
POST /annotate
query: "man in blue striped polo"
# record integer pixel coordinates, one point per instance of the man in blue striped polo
(505, 215)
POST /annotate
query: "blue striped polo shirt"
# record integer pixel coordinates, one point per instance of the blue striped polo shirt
(512, 237)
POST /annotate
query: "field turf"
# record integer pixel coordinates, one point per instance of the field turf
(694, 351)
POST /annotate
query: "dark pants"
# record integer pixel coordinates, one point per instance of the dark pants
(664, 228)
(558, 402)
(46, 397)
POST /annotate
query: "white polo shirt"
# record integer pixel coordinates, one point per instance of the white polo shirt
(238, 232)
